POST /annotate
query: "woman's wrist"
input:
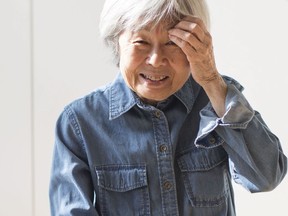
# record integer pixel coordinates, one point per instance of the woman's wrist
(216, 90)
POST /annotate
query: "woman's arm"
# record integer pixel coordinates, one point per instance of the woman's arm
(255, 153)
(193, 38)
(71, 190)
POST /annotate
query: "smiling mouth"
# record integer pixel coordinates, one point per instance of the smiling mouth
(154, 78)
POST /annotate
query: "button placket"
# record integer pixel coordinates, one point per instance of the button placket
(165, 167)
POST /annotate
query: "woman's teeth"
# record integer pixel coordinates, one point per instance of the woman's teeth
(154, 78)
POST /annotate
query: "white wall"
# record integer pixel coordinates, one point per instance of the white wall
(50, 54)
(16, 144)
(250, 42)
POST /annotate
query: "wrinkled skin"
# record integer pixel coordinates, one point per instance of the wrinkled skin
(156, 63)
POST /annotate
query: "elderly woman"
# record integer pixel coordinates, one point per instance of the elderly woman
(169, 133)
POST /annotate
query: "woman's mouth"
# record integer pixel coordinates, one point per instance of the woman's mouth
(154, 78)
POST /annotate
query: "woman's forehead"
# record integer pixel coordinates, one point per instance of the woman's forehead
(162, 25)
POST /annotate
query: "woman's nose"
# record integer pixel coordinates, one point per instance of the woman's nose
(156, 58)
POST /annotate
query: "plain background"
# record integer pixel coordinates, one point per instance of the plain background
(51, 54)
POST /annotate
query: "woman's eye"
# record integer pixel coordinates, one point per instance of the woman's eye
(141, 42)
(171, 43)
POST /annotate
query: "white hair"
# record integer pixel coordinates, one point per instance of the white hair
(120, 15)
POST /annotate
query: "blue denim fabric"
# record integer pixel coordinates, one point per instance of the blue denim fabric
(115, 155)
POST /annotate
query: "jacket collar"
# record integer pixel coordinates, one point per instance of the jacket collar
(122, 98)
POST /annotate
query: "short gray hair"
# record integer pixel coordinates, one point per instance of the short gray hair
(120, 15)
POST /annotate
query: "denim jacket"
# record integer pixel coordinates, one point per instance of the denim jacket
(115, 155)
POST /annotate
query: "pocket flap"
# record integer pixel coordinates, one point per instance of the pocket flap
(202, 159)
(121, 178)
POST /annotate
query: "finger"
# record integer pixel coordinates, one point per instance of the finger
(183, 38)
(193, 28)
(189, 50)
(196, 20)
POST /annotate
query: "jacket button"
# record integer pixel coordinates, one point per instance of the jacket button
(212, 140)
(163, 148)
(167, 185)
(157, 114)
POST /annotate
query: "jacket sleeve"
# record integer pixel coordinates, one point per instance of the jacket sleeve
(71, 189)
(257, 161)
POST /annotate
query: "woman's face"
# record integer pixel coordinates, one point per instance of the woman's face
(152, 66)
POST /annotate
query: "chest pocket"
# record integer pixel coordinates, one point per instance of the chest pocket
(205, 175)
(123, 190)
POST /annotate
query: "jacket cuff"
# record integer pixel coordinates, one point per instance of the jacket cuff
(237, 116)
